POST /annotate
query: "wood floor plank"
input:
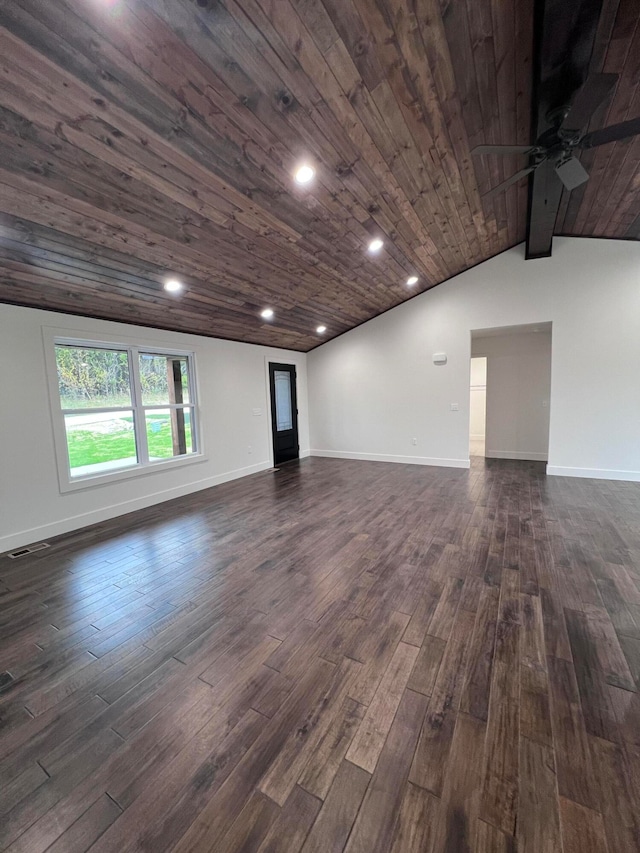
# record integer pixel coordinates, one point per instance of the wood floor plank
(373, 829)
(369, 739)
(377, 654)
(88, 828)
(476, 690)
(296, 752)
(488, 839)
(252, 825)
(291, 827)
(555, 630)
(445, 613)
(317, 777)
(607, 647)
(622, 716)
(619, 784)
(538, 827)
(535, 714)
(500, 788)
(417, 821)
(574, 761)
(21, 786)
(582, 829)
(425, 670)
(430, 760)
(460, 804)
(338, 813)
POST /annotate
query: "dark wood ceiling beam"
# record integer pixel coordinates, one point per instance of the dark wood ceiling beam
(609, 18)
(565, 39)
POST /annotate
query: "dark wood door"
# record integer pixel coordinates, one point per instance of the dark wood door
(284, 412)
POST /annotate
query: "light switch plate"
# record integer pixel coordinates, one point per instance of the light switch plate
(257, 412)
(455, 407)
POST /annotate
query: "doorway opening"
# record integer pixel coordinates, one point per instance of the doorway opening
(478, 406)
(516, 392)
(284, 412)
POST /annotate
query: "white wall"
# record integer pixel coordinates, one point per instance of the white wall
(232, 381)
(478, 399)
(375, 388)
(517, 394)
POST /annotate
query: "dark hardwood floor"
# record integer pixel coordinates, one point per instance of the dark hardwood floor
(338, 656)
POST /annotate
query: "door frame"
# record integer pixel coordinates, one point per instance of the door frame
(471, 387)
(270, 410)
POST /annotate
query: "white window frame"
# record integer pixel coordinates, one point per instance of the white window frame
(144, 465)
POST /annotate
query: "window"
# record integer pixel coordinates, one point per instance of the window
(123, 408)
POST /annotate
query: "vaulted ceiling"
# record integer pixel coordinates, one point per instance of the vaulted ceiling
(142, 139)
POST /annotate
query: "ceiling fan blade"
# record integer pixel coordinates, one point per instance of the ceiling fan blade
(503, 149)
(587, 100)
(572, 173)
(612, 133)
(512, 180)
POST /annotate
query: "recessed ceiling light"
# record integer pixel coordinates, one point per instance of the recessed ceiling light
(376, 245)
(321, 330)
(413, 279)
(267, 314)
(304, 174)
(173, 285)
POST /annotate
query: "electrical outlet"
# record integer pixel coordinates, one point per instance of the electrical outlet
(455, 407)
(414, 441)
(250, 450)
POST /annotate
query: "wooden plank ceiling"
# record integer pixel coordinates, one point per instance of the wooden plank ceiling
(147, 138)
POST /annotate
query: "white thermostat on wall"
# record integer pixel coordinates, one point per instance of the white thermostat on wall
(439, 358)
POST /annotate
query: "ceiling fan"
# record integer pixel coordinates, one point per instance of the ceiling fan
(567, 134)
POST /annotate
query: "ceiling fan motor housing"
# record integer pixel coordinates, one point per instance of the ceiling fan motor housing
(571, 172)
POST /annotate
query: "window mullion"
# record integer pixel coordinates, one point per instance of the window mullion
(138, 409)
(193, 400)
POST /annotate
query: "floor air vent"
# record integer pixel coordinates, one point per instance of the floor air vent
(28, 549)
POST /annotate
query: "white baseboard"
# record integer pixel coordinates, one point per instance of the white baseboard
(594, 473)
(477, 437)
(66, 525)
(524, 455)
(385, 457)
